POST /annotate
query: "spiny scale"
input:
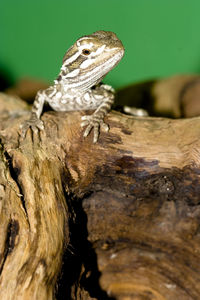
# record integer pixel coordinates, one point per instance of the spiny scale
(78, 86)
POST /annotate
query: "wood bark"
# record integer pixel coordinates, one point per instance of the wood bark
(114, 220)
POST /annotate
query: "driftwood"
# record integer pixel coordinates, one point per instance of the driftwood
(116, 220)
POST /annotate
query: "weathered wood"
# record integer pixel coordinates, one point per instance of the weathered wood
(33, 214)
(116, 219)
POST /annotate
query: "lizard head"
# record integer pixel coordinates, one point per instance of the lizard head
(91, 58)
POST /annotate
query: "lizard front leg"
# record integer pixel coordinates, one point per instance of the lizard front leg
(95, 120)
(34, 122)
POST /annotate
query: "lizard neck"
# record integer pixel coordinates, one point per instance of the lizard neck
(78, 82)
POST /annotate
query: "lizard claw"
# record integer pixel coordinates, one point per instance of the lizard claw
(95, 123)
(34, 123)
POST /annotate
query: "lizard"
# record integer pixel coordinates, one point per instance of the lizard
(79, 84)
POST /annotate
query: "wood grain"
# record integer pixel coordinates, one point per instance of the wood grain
(114, 220)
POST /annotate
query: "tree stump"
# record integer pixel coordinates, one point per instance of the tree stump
(114, 220)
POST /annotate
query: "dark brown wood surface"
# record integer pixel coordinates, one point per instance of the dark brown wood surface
(115, 220)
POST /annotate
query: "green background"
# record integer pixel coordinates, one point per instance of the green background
(161, 37)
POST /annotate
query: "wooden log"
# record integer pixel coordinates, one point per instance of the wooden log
(176, 96)
(114, 220)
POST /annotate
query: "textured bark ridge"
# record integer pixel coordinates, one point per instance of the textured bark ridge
(114, 220)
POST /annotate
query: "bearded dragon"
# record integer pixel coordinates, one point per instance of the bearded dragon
(78, 85)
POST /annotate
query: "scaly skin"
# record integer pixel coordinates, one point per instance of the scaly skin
(78, 86)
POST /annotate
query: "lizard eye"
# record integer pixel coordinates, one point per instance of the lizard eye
(86, 51)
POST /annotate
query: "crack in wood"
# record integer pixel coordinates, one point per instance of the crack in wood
(14, 172)
(12, 233)
(82, 260)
